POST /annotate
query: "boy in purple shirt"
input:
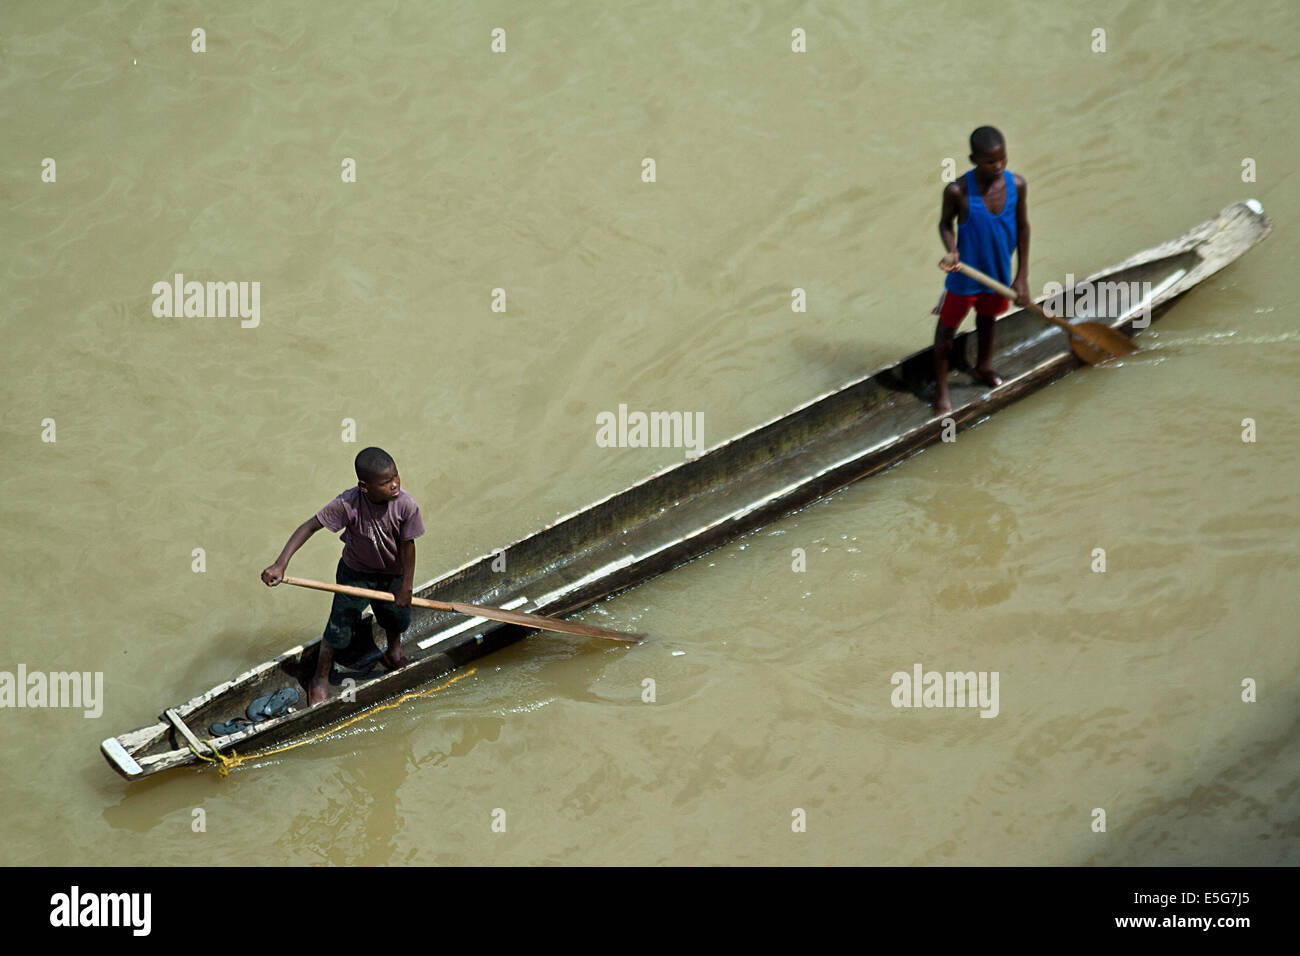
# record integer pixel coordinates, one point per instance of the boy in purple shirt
(380, 523)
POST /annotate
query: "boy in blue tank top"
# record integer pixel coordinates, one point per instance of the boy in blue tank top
(989, 206)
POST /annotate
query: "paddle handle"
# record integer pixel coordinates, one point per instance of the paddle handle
(1003, 290)
(1009, 294)
(362, 592)
(477, 610)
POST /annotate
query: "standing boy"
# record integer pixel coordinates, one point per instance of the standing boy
(380, 523)
(989, 206)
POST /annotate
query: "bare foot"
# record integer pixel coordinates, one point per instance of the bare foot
(393, 659)
(986, 375)
(941, 405)
(318, 690)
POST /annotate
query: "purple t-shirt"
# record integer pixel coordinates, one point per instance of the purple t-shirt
(371, 532)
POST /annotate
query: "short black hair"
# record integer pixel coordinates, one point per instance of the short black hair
(371, 461)
(984, 139)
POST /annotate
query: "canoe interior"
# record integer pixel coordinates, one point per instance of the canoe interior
(692, 507)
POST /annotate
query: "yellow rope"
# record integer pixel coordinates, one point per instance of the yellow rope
(228, 763)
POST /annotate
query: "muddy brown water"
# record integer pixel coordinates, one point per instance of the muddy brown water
(522, 171)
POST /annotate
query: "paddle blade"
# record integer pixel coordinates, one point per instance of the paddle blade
(541, 622)
(1094, 342)
(1087, 352)
(1112, 340)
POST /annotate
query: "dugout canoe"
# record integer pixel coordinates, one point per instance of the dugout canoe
(692, 507)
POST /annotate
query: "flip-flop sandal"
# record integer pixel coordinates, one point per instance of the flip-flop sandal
(230, 727)
(273, 705)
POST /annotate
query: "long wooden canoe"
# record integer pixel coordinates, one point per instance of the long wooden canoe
(692, 507)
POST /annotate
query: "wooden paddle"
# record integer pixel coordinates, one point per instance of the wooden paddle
(475, 610)
(1091, 341)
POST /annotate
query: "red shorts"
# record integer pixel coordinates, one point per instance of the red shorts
(953, 308)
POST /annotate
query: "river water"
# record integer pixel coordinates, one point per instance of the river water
(1118, 692)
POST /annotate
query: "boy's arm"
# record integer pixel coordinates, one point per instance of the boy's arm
(274, 574)
(952, 199)
(1021, 284)
(406, 550)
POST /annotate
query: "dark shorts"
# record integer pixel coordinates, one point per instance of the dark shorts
(345, 615)
(952, 308)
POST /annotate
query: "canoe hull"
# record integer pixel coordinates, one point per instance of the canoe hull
(692, 507)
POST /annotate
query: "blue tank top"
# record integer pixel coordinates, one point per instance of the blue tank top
(985, 241)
